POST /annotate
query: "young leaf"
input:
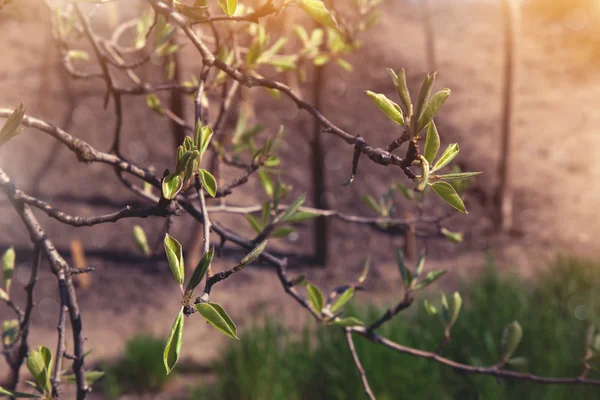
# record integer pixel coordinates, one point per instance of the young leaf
(316, 297)
(292, 208)
(429, 279)
(511, 337)
(175, 257)
(301, 216)
(433, 106)
(404, 271)
(140, 240)
(215, 315)
(458, 176)
(425, 176)
(449, 195)
(456, 237)
(281, 232)
(12, 126)
(254, 254)
(21, 395)
(173, 345)
(3, 295)
(420, 264)
(154, 104)
(8, 266)
(90, 377)
(403, 92)
(10, 331)
(518, 362)
(406, 192)
(200, 270)
(348, 321)
(209, 183)
(446, 157)
(228, 6)
(78, 55)
(37, 365)
(171, 186)
(423, 97)
(345, 65)
(432, 143)
(370, 201)
(254, 223)
(429, 309)
(455, 307)
(387, 106)
(319, 12)
(266, 182)
(343, 299)
(363, 276)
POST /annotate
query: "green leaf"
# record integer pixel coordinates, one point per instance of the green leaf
(316, 298)
(455, 307)
(402, 88)
(171, 186)
(292, 208)
(346, 66)
(406, 192)
(254, 223)
(254, 254)
(228, 6)
(446, 157)
(272, 51)
(363, 277)
(449, 195)
(10, 331)
(518, 362)
(429, 279)
(434, 105)
(404, 271)
(432, 143)
(424, 97)
(456, 237)
(281, 232)
(8, 266)
(343, 299)
(3, 295)
(215, 315)
(348, 321)
(16, 394)
(202, 137)
(301, 216)
(321, 60)
(173, 345)
(425, 176)
(429, 309)
(175, 256)
(511, 337)
(265, 215)
(209, 183)
(78, 55)
(319, 12)
(200, 270)
(266, 182)
(420, 265)
(90, 377)
(372, 203)
(387, 106)
(140, 240)
(12, 126)
(37, 364)
(154, 104)
(457, 176)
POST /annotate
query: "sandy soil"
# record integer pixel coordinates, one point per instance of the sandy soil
(556, 139)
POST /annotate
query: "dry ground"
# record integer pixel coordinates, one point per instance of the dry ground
(554, 169)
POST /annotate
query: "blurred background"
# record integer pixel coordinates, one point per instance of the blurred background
(543, 269)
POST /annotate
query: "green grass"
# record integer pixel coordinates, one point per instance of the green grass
(270, 363)
(140, 370)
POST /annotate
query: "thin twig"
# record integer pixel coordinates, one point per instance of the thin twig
(359, 367)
